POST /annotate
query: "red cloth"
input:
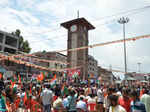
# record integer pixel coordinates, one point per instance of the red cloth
(29, 102)
(17, 102)
(54, 98)
(141, 93)
(125, 103)
(36, 106)
(92, 106)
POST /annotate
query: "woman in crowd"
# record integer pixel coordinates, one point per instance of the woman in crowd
(114, 106)
(125, 100)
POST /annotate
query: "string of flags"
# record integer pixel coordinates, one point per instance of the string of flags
(10, 58)
(40, 60)
(106, 43)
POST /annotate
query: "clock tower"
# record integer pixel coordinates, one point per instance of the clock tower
(78, 37)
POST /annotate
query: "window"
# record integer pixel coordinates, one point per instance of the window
(55, 65)
(61, 66)
(1, 38)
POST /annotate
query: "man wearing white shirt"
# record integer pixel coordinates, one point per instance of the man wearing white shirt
(81, 104)
(46, 97)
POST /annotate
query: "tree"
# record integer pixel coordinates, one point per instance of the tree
(44, 51)
(23, 44)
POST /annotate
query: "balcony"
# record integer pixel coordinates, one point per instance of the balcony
(11, 41)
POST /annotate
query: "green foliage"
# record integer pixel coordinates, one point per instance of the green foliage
(44, 51)
(23, 44)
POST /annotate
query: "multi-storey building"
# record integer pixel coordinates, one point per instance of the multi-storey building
(106, 75)
(8, 42)
(59, 60)
(92, 67)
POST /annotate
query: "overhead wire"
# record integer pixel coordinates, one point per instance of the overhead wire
(104, 43)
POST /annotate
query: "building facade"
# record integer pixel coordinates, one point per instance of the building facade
(59, 61)
(92, 67)
(105, 75)
(8, 42)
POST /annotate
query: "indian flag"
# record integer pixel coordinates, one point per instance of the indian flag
(53, 80)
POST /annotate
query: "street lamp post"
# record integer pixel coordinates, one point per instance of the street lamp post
(123, 21)
(139, 65)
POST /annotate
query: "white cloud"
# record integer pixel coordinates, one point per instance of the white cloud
(53, 8)
(4, 2)
(25, 4)
(25, 17)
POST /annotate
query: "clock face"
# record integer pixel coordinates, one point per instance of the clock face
(73, 28)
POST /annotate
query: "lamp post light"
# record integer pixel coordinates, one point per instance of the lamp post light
(123, 21)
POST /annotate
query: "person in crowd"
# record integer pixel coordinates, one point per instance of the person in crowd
(72, 99)
(106, 99)
(91, 102)
(125, 100)
(88, 90)
(21, 94)
(3, 106)
(100, 99)
(114, 106)
(9, 98)
(58, 104)
(136, 104)
(81, 105)
(65, 101)
(119, 91)
(57, 90)
(149, 90)
(145, 98)
(46, 98)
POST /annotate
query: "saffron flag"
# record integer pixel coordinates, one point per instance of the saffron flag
(1, 75)
(19, 79)
(40, 77)
(26, 96)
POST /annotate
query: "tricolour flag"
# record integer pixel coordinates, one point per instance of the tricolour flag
(53, 80)
(12, 81)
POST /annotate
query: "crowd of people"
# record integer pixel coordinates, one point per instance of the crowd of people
(42, 97)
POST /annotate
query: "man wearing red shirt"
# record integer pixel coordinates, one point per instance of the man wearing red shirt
(124, 100)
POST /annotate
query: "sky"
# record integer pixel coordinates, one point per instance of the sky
(39, 22)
